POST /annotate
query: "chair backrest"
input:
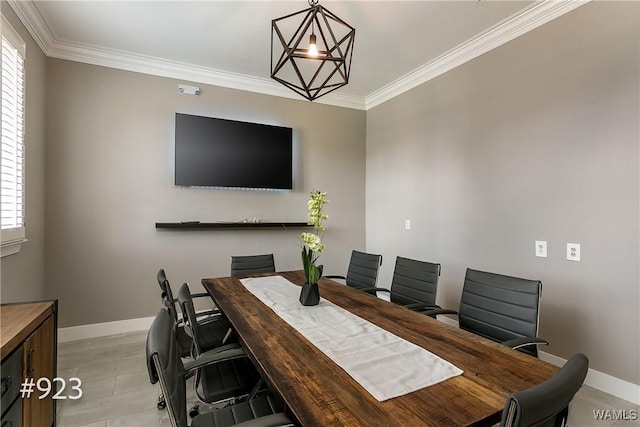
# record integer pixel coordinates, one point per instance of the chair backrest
(189, 318)
(500, 307)
(246, 265)
(363, 270)
(167, 294)
(547, 404)
(164, 365)
(414, 281)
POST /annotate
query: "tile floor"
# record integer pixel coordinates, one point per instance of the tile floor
(117, 392)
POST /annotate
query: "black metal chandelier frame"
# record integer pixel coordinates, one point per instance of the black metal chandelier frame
(338, 52)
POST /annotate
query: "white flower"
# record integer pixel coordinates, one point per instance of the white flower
(312, 241)
(316, 205)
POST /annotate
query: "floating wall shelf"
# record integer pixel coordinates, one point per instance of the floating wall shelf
(229, 225)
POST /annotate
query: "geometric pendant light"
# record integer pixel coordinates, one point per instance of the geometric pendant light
(312, 57)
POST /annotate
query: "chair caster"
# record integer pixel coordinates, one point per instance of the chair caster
(162, 403)
(194, 412)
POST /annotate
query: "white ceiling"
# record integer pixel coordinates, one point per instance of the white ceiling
(398, 44)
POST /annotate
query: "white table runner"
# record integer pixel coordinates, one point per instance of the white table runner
(384, 364)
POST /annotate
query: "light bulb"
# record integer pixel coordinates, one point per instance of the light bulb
(313, 48)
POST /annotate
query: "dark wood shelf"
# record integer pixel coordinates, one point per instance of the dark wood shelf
(229, 225)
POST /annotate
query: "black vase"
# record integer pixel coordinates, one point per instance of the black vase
(310, 295)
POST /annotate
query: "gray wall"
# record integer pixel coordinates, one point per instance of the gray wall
(22, 274)
(536, 140)
(110, 178)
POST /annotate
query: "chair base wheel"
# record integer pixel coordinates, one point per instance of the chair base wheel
(194, 412)
(161, 403)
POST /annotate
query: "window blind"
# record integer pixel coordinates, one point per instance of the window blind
(12, 148)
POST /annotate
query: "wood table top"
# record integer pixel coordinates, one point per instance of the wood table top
(320, 393)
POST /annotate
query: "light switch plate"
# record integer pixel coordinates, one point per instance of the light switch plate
(573, 251)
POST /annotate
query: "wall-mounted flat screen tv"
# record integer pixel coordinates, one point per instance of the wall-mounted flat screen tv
(212, 152)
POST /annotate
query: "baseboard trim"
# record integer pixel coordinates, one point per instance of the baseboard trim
(609, 384)
(596, 379)
(96, 330)
(604, 382)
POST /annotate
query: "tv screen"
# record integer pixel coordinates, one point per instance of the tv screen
(214, 152)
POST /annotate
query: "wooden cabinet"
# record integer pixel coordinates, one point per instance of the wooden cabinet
(38, 352)
(28, 334)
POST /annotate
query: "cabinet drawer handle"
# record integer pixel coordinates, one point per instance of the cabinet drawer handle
(29, 367)
(6, 385)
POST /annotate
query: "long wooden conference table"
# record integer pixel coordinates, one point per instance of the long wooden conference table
(320, 393)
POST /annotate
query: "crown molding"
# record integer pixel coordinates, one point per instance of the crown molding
(112, 58)
(183, 71)
(34, 23)
(516, 25)
(528, 19)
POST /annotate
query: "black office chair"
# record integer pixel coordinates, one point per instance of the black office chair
(547, 404)
(502, 308)
(414, 284)
(363, 270)
(231, 379)
(215, 328)
(164, 365)
(245, 265)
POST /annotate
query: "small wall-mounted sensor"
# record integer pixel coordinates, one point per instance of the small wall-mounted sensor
(188, 90)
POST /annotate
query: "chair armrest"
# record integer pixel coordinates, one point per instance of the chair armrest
(209, 315)
(200, 295)
(434, 313)
(273, 420)
(204, 295)
(216, 355)
(203, 318)
(516, 343)
(418, 306)
(335, 277)
(374, 289)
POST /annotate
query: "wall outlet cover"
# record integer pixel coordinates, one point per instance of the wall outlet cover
(573, 251)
